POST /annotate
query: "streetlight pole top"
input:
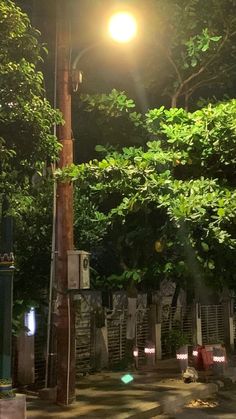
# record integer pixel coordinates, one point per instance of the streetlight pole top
(122, 28)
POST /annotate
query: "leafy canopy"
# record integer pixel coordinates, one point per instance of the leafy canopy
(27, 147)
(26, 117)
(167, 209)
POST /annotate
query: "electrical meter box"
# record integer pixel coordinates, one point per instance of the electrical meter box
(78, 269)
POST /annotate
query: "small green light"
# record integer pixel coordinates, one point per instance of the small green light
(127, 378)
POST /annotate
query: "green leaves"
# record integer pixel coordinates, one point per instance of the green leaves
(221, 212)
(192, 48)
(205, 246)
(177, 188)
(200, 43)
(27, 148)
(113, 104)
(26, 117)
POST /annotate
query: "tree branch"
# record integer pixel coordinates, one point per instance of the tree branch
(200, 71)
(174, 66)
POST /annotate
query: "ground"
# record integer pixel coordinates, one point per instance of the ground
(226, 409)
(150, 394)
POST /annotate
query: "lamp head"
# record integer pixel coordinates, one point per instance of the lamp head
(122, 27)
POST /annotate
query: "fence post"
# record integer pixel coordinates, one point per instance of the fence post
(155, 317)
(228, 323)
(197, 324)
(101, 339)
(25, 349)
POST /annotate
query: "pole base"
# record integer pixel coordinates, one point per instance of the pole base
(48, 393)
(13, 408)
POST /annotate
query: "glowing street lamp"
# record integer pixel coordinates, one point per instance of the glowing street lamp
(122, 27)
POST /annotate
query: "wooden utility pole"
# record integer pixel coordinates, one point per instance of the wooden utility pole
(65, 320)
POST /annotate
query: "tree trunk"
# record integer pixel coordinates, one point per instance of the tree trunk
(174, 101)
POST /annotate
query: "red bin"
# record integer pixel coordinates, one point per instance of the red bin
(207, 357)
(197, 357)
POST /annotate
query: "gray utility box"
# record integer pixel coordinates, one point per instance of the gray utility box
(78, 270)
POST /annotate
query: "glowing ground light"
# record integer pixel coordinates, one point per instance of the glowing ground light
(135, 353)
(218, 359)
(127, 378)
(149, 350)
(122, 27)
(182, 356)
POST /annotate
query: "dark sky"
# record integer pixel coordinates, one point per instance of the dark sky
(105, 67)
(108, 65)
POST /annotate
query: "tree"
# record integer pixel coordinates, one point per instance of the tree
(26, 117)
(193, 41)
(116, 123)
(167, 209)
(27, 143)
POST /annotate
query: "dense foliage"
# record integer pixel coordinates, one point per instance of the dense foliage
(167, 209)
(26, 117)
(27, 144)
(164, 205)
(184, 56)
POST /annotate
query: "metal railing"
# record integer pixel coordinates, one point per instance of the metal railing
(40, 340)
(116, 322)
(116, 331)
(175, 319)
(85, 341)
(212, 324)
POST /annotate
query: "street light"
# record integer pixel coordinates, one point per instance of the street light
(122, 27)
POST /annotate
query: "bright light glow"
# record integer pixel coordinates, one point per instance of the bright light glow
(127, 378)
(149, 350)
(182, 356)
(218, 359)
(122, 27)
(195, 353)
(135, 353)
(30, 322)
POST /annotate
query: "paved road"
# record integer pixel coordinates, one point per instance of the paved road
(225, 410)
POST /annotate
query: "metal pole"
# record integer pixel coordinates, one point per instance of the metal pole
(65, 319)
(6, 293)
(6, 298)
